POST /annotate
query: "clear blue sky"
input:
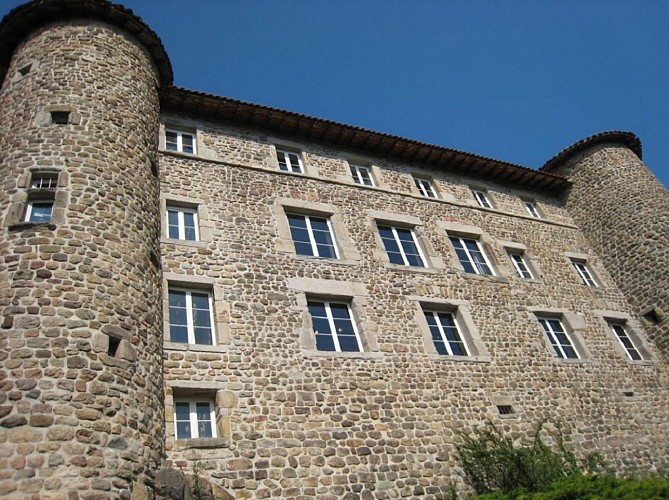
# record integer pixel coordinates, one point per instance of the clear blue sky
(514, 80)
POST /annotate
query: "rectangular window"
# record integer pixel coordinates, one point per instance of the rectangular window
(39, 211)
(334, 327)
(362, 175)
(194, 419)
(401, 246)
(182, 223)
(532, 209)
(626, 341)
(559, 338)
(521, 266)
(482, 198)
(289, 161)
(584, 273)
(446, 333)
(471, 256)
(425, 187)
(44, 181)
(312, 236)
(191, 317)
(176, 140)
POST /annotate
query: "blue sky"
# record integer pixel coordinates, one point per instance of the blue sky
(514, 80)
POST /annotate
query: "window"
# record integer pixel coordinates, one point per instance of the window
(559, 338)
(521, 266)
(334, 327)
(191, 317)
(41, 197)
(584, 273)
(312, 235)
(176, 140)
(446, 334)
(471, 256)
(289, 161)
(618, 328)
(401, 246)
(60, 117)
(482, 198)
(532, 209)
(362, 175)
(182, 223)
(194, 419)
(425, 187)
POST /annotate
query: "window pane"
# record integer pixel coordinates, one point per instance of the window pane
(348, 343)
(41, 211)
(173, 224)
(187, 142)
(177, 298)
(325, 342)
(178, 334)
(171, 140)
(203, 336)
(183, 430)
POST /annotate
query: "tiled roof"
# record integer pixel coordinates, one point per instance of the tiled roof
(612, 136)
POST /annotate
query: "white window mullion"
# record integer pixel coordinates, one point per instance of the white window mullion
(442, 333)
(192, 414)
(469, 256)
(189, 318)
(312, 239)
(332, 237)
(333, 328)
(460, 335)
(399, 244)
(181, 221)
(418, 248)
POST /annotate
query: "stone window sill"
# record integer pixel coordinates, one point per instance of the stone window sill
(24, 226)
(185, 243)
(178, 346)
(323, 260)
(201, 443)
(442, 358)
(400, 267)
(342, 355)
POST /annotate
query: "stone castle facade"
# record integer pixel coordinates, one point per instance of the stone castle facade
(293, 307)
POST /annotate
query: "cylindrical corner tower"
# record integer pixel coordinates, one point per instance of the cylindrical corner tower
(80, 285)
(623, 209)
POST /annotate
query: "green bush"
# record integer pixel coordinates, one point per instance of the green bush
(491, 462)
(592, 488)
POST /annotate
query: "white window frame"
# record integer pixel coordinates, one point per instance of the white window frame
(180, 144)
(548, 330)
(331, 323)
(310, 232)
(289, 164)
(584, 273)
(532, 209)
(425, 186)
(181, 222)
(189, 314)
(472, 262)
(192, 402)
(359, 177)
(440, 327)
(482, 198)
(612, 324)
(396, 237)
(520, 264)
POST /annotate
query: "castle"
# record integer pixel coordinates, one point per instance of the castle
(286, 306)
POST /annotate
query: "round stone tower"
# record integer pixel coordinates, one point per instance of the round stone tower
(623, 209)
(81, 399)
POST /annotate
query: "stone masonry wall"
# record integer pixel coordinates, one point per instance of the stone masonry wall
(79, 419)
(383, 424)
(623, 209)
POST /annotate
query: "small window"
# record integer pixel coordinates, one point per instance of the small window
(176, 140)
(505, 409)
(182, 223)
(312, 236)
(559, 338)
(289, 161)
(626, 341)
(652, 316)
(60, 117)
(471, 256)
(482, 198)
(402, 246)
(194, 419)
(446, 333)
(191, 317)
(425, 187)
(584, 273)
(362, 175)
(334, 327)
(39, 211)
(41, 197)
(520, 264)
(25, 69)
(531, 208)
(46, 180)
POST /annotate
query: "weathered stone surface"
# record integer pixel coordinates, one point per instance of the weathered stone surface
(170, 484)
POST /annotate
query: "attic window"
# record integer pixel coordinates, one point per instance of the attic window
(505, 409)
(24, 70)
(60, 117)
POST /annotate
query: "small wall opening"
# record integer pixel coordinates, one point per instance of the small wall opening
(114, 342)
(652, 316)
(24, 70)
(628, 394)
(505, 409)
(60, 117)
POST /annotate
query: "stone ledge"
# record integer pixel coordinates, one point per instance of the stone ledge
(23, 226)
(201, 443)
